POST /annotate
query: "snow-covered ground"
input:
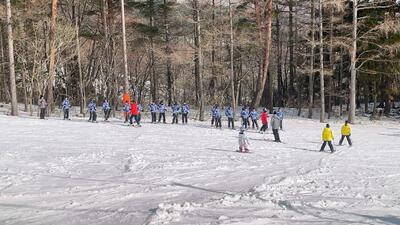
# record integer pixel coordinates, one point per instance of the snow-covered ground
(55, 172)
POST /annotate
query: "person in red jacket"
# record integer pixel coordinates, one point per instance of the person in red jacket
(134, 113)
(264, 120)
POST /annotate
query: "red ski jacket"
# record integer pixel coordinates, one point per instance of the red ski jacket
(264, 117)
(134, 109)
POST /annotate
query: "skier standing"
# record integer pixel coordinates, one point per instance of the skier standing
(42, 105)
(280, 116)
(185, 112)
(92, 111)
(245, 117)
(175, 112)
(213, 114)
(346, 132)
(243, 141)
(217, 117)
(327, 137)
(162, 109)
(134, 113)
(229, 114)
(254, 118)
(275, 127)
(65, 106)
(153, 110)
(106, 109)
(126, 109)
(264, 120)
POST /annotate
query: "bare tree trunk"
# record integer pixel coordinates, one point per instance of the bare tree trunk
(231, 58)
(279, 61)
(331, 62)
(267, 46)
(24, 72)
(353, 71)
(291, 50)
(311, 76)
(82, 100)
(52, 61)
(152, 66)
(13, 86)
(321, 57)
(4, 95)
(198, 59)
(170, 78)
(126, 80)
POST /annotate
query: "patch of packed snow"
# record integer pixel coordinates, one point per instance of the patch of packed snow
(74, 172)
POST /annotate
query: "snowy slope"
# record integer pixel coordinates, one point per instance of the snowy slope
(75, 172)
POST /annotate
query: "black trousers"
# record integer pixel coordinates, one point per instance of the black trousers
(174, 118)
(254, 123)
(136, 117)
(347, 138)
(93, 116)
(42, 113)
(184, 118)
(280, 123)
(66, 114)
(153, 117)
(218, 123)
(230, 121)
(245, 122)
(212, 120)
(276, 135)
(264, 127)
(163, 116)
(107, 114)
(126, 115)
(330, 146)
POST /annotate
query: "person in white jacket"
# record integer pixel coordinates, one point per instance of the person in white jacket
(243, 141)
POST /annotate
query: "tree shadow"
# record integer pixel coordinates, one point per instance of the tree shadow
(303, 149)
(219, 150)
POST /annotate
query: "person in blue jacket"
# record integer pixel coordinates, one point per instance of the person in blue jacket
(92, 111)
(153, 110)
(127, 110)
(254, 118)
(175, 112)
(106, 109)
(65, 106)
(162, 109)
(139, 115)
(245, 117)
(213, 114)
(217, 115)
(280, 116)
(229, 114)
(185, 111)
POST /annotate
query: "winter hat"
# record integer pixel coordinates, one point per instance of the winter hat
(265, 109)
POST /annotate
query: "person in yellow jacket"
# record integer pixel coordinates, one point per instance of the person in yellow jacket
(327, 137)
(346, 132)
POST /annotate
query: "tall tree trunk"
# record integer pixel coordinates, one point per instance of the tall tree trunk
(11, 69)
(170, 78)
(321, 58)
(4, 94)
(198, 59)
(82, 100)
(232, 71)
(52, 60)
(126, 74)
(353, 69)
(311, 76)
(152, 65)
(291, 50)
(331, 62)
(280, 95)
(24, 87)
(266, 54)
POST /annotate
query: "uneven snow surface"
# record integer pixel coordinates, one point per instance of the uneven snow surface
(55, 172)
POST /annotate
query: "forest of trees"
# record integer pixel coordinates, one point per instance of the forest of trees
(333, 55)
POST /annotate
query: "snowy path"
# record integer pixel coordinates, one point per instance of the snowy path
(74, 172)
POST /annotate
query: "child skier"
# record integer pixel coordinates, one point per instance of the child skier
(185, 112)
(126, 109)
(346, 132)
(280, 116)
(139, 115)
(254, 118)
(42, 105)
(162, 109)
(153, 110)
(229, 114)
(92, 111)
(175, 113)
(245, 117)
(243, 141)
(217, 117)
(213, 114)
(134, 113)
(65, 106)
(327, 137)
(107, 109)
(275, 127)
(264, 120)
